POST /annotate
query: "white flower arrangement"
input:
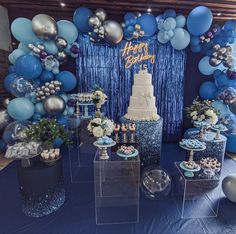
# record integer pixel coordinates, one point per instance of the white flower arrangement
(99, 97)
(202, 111)
(101, 126)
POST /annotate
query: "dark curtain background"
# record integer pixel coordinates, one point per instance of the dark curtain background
(103, 65)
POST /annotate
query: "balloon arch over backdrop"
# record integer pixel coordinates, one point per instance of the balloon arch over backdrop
(36, 81)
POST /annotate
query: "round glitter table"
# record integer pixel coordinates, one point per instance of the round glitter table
(149, 136)
(41, 188)
(215, 148)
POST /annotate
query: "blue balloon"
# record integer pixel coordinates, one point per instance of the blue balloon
(24, 48)
(220, 107)
(46, 76)
(62, 120)
(207, 90)
(65, 97)
(8, 80)
(58, 142)
(11, 69)
(28, 66)
(231, 143)
(19, 87)
(148, 24)
(230, 25)
(199, 20)
(3, 146)
(50, 47)
(195, 40)
(130, 29)
(159, 17)
(196, 49)
(36, 117)
(169, 13)
(81, 18)
(70, 110)
(67, 30)
(221, 80)
(14, 55)
(127, 35)
(169, 23)
(20, 108)
(21, 29)
(39, 108)
(180, 21)
(67, 79)
(205, 68)
(129, 16)
(181, 39)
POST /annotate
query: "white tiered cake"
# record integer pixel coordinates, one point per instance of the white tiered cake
(142, 104)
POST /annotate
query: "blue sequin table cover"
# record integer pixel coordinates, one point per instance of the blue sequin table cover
(149, 136)
(214, 148)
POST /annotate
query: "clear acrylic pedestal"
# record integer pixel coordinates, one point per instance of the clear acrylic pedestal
(196, 197)
(116, 184)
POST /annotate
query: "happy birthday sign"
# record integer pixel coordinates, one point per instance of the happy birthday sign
(136, 54)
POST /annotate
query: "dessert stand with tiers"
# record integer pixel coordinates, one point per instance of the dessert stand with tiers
(218, 128)
(103, 149)
(203, 126)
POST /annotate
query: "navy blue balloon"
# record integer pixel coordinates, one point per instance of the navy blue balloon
(195, 40)
(169, 13)
(231, 143)
(28, 66)
(3, 146)
(8, 80)
(58, 142)
(46, 76)
(207, 90)
(127, 35)
(148, 24)
(129, 15)
(81, 19)
(230, 25)
(67, 79)
(130, 29)
(221, 80)
(196, 49)
(199, 20)
(62, 120)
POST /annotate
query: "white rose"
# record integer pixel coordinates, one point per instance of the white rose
(90, 127)
(209, 112)
(214, 119)
(202, 116)
(109, 126)
(194, 117)
(97, 121)
(193, 113)
(199, 119)
(98, 131)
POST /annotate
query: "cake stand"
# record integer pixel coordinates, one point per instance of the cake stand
(85, 114)
(203, 126)
(103, 149)
(218, 128)
(126, 156)
(189, 172)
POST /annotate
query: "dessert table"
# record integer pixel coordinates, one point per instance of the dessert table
(77, 215)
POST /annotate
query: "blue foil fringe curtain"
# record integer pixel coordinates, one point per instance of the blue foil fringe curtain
(103, 65)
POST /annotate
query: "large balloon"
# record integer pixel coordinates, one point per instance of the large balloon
(5, 119)
(229, 187)
(15, 55)
(8, 80)
(67, 30)
(28, 66)
(21, 29)
(207, 90)
(81, 18)
(180, 21)
(113, 32)
(15, 132)
(20, 86)
(181, 39)
(54, 105)
(44, 26)
(199, 20)
(20, 108)
(67, 79)
(148, 24)
(204, 66)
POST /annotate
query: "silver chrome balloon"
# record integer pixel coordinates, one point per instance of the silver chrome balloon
(44, 26)
(135, 35)
(61, 43)
(229, 187)
(61, 56)
(112, 31)
(5, 102)
(101, 14)
(54, 105)
(5, 119)
(137, 27)
(94, 21)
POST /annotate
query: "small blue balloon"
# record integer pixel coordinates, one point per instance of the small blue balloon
(36, 117)
(220, 107)
(39, 108)
(20, 87)
(199, 20)
(196, 48)
(20, 108)
(46, 76)
(8, 80)
(15, 55)
(67, 79)
(180, 21)
(3, 146)
(130, 29)
(169, 23)
(28, 66)
(148, 24)
(169, 13)
(81, 19)
(67, 30)
(24, 48)
(195, 40)
(58, 142)
(207, 90)
(50, 47)
(230, 25)
(65, 97)
(62, 120)
(158, 18)
(129, 16)
(231, 143)
(70, 110)
(181, 39)
(205, 68)
(11, 69)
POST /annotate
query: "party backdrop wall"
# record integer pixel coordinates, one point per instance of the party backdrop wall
(103, 65)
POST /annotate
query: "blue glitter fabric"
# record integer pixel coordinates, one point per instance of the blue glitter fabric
(214, 148)
(103, 65)
(149, 135)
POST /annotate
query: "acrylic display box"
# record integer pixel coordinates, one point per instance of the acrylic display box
(196, 197)
(81, 153)
(149, 136)
(214, 148)
(116, 183)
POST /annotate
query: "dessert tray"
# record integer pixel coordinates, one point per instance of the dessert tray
(127, 152)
